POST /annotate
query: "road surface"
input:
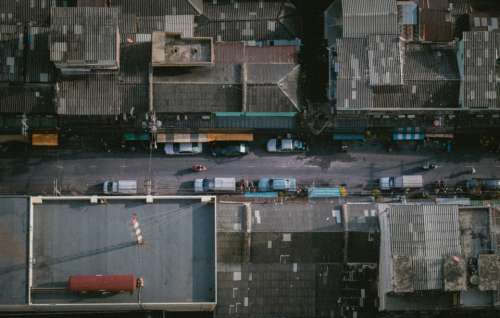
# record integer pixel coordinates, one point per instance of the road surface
(73, 172)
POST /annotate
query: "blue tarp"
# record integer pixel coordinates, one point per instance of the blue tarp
(348, 137)
(261, 194)
(323, 192)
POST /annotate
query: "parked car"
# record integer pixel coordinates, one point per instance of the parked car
(277, 184)
(429, 166)
(183, 148)
(229, 149)
(286, 145)
(215, 185)
(483, 184)
(120, 187)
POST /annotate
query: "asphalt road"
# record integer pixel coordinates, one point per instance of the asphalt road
(81, 172)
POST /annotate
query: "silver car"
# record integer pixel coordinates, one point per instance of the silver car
(286, 145)
(183, 148)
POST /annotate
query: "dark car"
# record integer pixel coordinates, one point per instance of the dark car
(229, 149)
(483, 184)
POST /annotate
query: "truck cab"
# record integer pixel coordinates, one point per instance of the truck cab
(278, 184)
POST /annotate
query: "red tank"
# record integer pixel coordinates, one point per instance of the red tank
(102, 283)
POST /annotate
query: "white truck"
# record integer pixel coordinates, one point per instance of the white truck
(214, 185)
(120, 187)
(401, 183)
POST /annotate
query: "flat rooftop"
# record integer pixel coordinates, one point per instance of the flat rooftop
(13, 250)
(72, 236)
(170, 49)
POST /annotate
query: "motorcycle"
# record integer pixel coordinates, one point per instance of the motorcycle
(199, 168)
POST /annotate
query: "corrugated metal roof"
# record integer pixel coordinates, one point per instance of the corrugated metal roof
(243, 10)
(81, 36)
(134, 62)
(134, 98)
(365, 17)
(36, 12)
(196, 97)
(430, 62)
(204, 89)
(459, 7)
(11, 53)
(27, 98)
(244, 30)
(39, 68)
(434, 4)
(368, 7)
(270, 88)
(267, 73)
(479, 82)
(247, 20)
(146, 16)
(430, 76)
(425, 234)
(383, 60)
(218, 74)
(144, 8)
(353, 90)
(91, 3)
(268, 98)
(239, 52)
(89, 94)
(183, 24)
(435, 26)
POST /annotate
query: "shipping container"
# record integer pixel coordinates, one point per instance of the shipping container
(102, 283)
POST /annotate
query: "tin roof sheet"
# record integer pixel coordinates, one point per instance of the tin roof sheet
(27, 98)
(88, 94)
(11, 53)
(383, 60)
(239, 52)
(365, 17)
(84, 36)
(479, 70)
(425, 234)
(39, 68)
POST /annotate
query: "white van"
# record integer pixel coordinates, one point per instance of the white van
(120, 187)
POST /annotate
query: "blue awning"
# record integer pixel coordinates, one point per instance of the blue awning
(323, 192)
(349, 137)
(136, 137)
(261, 194)
(408, 134)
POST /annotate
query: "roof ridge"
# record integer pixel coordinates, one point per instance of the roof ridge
(281, 83)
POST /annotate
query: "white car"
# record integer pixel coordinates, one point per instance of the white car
(183, 148)
(286, 145)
